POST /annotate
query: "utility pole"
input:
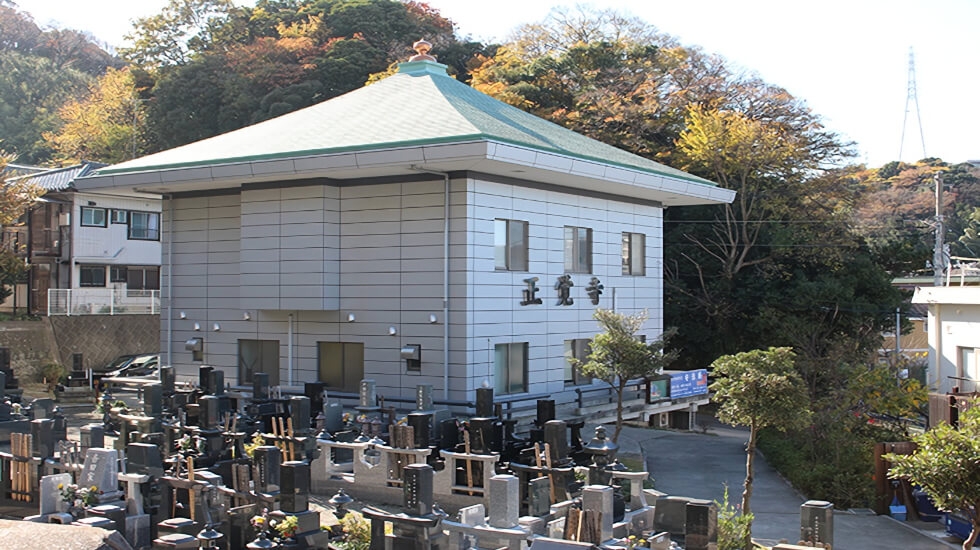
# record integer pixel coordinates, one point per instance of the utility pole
(938, 255)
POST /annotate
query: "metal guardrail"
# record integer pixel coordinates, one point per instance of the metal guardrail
(102, 301)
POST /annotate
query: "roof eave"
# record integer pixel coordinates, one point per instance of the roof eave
(487, 156)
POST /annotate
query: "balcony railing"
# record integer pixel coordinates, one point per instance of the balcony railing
(102, 301)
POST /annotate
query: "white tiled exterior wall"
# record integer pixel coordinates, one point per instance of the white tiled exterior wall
(319, 252)
(110, 245)
(958, 330)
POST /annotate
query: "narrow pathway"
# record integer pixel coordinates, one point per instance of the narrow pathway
(699, 465)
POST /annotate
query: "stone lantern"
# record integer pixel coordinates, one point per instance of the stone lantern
(603, 452)
(340, 502)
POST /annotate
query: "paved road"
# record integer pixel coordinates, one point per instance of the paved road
(700, 465)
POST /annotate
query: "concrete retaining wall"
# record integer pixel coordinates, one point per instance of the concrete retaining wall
(99, 338)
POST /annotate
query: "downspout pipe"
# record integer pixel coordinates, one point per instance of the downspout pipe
(445, 277)
(289, 353)
(170, 281)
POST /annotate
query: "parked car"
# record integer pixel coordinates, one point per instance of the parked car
(144, 366)
(115, 364)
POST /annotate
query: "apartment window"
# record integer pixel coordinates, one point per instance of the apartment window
(91, 275)
(144, 226)
(969, 367)
(143, 278)
(120, 216)
(576, 349)
(578, 249)
(93, 217)
(117, 274)
(510, 245)
(258, 356)
(510, 368)
(634, 254)
(341, 364)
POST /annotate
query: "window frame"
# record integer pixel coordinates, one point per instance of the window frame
(351, 353)
(114, 274)
(91, 270)
(572, 239)
(152, 233)
(630, 257)
(92, 210)
(264, 351)
(576, 348)
(114, 216)
(507, 255)
(503, 384)
(149, 275)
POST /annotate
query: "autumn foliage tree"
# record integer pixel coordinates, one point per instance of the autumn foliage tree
(107, 125)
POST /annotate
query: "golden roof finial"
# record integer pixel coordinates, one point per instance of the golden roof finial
(422, 49)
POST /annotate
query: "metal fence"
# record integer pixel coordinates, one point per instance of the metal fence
(102, 301)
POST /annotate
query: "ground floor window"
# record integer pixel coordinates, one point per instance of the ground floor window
(258, 356)
(969, 368)
(576, 349)
(341, 365)
(510, 368)
(91, 275)
(143, 278)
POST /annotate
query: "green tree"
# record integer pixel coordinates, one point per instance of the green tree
(32, 88)
(12, 271)
(15, 199)
(945, 465)
(617, 355)
(758, 389)
(173, 35)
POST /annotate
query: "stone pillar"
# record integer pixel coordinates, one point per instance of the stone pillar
(504, 501)
(600, 498)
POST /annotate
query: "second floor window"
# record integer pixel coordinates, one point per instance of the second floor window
(144, 226)
(578, 249)
(93, 217)
(510, 245)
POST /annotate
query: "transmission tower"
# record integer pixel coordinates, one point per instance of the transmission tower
(912, 99)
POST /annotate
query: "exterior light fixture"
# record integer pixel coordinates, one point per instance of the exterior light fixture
(246, 316)
(392, 330)
(216, 327)
(351, 318)
(197, 326)
(433, 319)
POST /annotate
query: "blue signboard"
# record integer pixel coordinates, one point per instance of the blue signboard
(686, 384)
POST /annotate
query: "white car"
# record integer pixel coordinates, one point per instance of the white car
(142, 366)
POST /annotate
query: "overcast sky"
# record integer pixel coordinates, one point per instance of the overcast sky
(848, 59)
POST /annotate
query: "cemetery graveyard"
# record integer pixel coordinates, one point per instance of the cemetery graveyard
(204, 466)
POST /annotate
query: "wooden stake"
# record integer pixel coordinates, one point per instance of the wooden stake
(469, 465)
(282, 435)
(192, 498)
(289, 431)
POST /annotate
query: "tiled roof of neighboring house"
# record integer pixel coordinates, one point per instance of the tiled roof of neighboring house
(60, 179)
(12, 170)
(420, 105)
(918, 311)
